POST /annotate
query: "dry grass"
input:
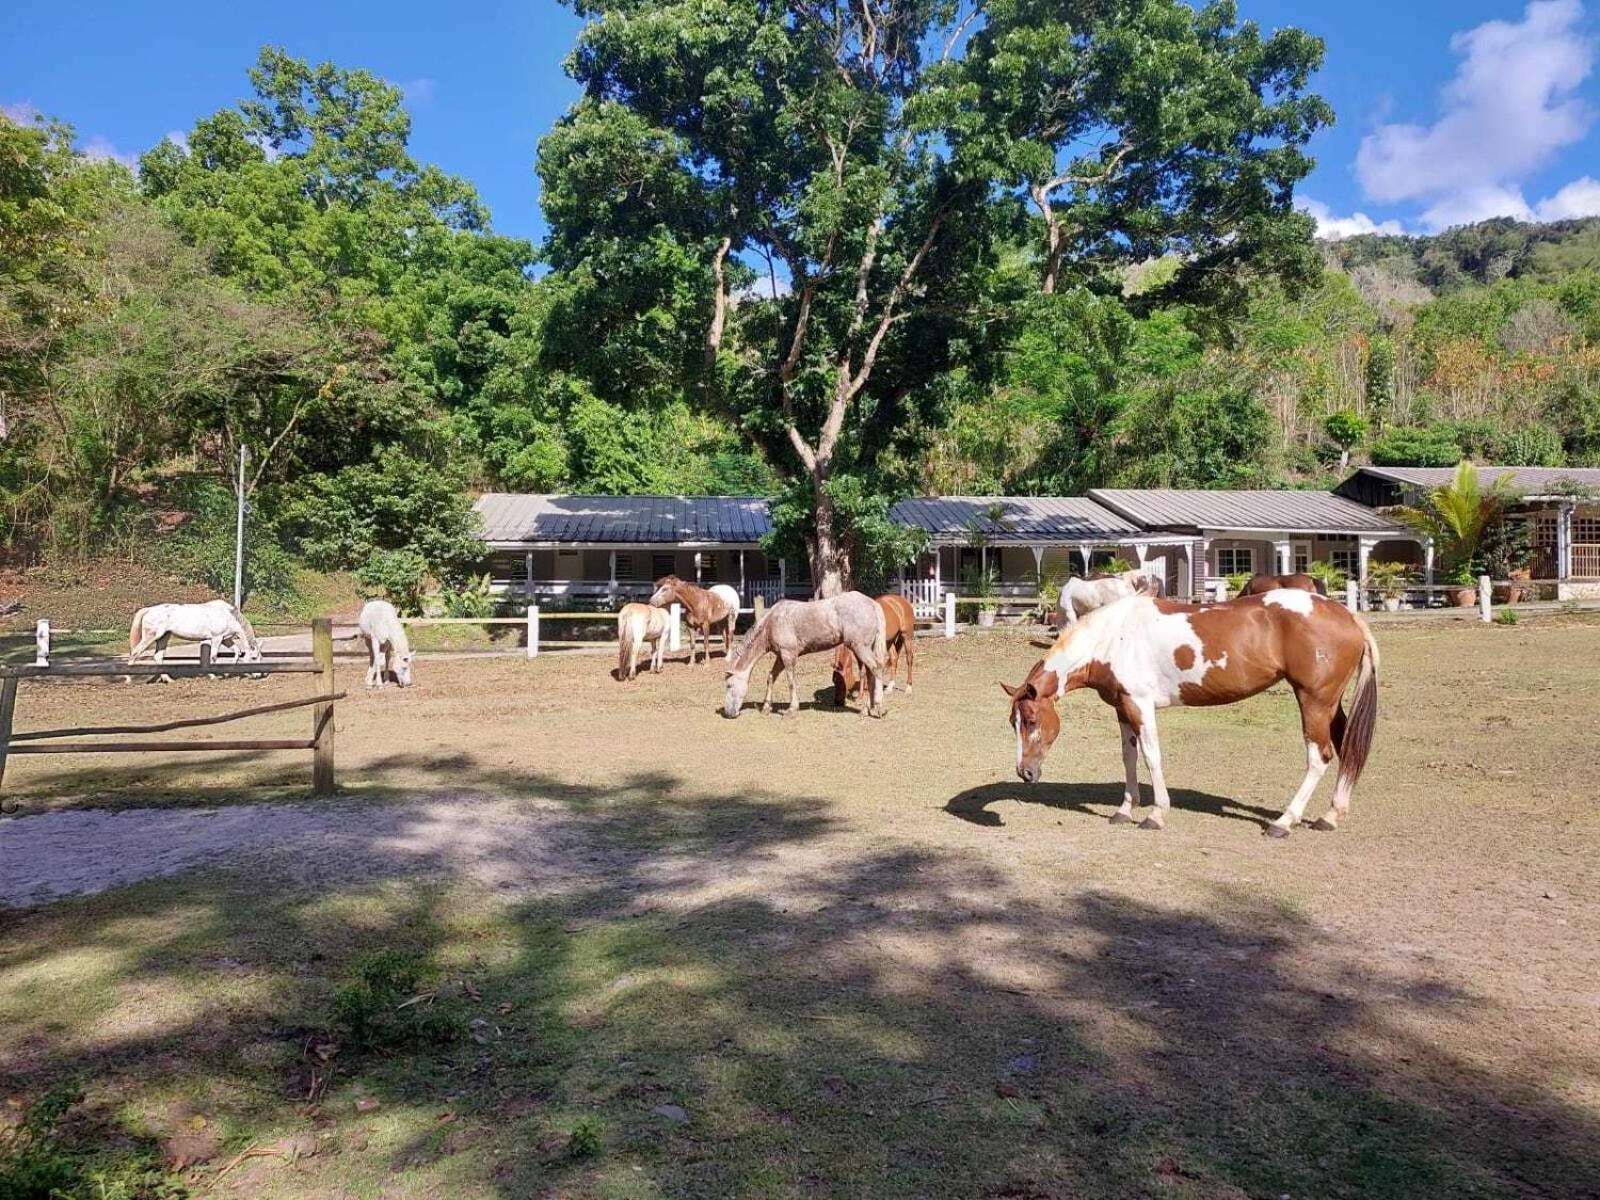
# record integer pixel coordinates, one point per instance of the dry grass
(860, 956)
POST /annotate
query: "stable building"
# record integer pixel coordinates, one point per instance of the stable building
(577, 549)
(1559, 503)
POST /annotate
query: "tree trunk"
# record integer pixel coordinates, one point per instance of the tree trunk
(829, 570)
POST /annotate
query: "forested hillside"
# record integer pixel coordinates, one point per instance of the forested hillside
(291, 280)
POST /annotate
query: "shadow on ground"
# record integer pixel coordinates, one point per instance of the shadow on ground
(665, 992)
(1093, 799)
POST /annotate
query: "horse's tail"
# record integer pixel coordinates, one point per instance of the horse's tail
(627, 634)
(1363, 720)
(136, 630)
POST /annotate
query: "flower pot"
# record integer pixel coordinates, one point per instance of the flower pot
(1462, 597)
(986, 617)
(1391, 604)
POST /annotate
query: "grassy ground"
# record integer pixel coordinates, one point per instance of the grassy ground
(661, 954)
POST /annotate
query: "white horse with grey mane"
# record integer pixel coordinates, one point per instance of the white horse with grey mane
(385, 635)
(216, 622)
(1079, 596)
(795, 627)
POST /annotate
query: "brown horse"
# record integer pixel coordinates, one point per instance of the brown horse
(1142, 654)
(1260, 585)
(708, 610)
(899, 634)
(795, 627)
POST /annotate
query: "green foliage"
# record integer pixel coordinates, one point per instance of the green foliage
(1505, 616)
(399, 576)
(1333, 578)
(474, 598)
(1345, 428)
(383, 1008)
(1117, 566)
(1237, 581)
(37, 1164)
(1506, 547)
(1434, 446)
(588, 1138)
(1389, 578)
(1457, 516)
(1203, 438)
(201, 550)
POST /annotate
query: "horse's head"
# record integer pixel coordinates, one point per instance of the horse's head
(402, 668)
(666, 590)
(1034, 720)
(738, 682)
(844, 675)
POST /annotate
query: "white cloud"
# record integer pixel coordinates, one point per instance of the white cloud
(1333, 228)
(178, 138)
(1580, 198)
(23, 112)
(98, 149)
(420, 91)
(1510, 107)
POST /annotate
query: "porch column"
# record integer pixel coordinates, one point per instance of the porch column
(983, 560)
(1285, 551)
(1199, 567)
(697, 566)
(1038, 564)
(1427, 566)
(1363, 552)
(613, 566)
(1564, 541)
(741, 574)
(938, 572)
(783, 579)
(527, 578)
(1086, 553)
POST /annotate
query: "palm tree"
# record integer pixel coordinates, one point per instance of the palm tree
(1458, 514)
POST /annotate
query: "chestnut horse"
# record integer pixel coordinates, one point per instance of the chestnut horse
(1142, 654)
(1260, 585)
(899, 634)
(708, 610)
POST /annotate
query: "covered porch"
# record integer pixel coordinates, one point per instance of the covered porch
(1565, 535)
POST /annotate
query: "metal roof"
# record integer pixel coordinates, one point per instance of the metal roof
(1289, 511)
(622, 520)
(1530, 481)
(1022, 519)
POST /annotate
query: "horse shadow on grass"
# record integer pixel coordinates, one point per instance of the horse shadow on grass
(1092, 799)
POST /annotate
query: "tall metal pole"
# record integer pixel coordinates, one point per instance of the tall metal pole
(238, 541)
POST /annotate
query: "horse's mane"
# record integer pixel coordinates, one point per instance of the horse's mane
(754, 645)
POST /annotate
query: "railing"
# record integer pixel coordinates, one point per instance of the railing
(1585, 560)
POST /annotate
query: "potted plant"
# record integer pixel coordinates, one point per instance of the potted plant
(1463, 592)
(1236, 582)
(1116, 566)
(1389, 580)
(1507, 552)
(984, 589)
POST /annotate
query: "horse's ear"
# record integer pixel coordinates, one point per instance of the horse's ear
(1009, 690)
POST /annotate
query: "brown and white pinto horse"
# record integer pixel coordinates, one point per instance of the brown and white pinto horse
(899, 634)
(1142, 654)
(1260, 585)
(708, 610)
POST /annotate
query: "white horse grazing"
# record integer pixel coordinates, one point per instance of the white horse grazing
(385, 636)
(215, 621)
(639, 625)
(1079, 596)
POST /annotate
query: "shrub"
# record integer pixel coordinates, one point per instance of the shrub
(1236, 582)
(36, 1165)
(1333, 578)
(1506, 616)
(1407, 446)
(371, 1012)
(201, 550)
(474, 598)
(587, 1139)
(399, 576)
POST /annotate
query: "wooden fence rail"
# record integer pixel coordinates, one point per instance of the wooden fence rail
(48, 741)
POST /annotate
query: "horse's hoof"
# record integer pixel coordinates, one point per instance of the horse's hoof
(1323, 825)
(1275, 831)
(908, 689)
(1151, 823)
(1121, 818)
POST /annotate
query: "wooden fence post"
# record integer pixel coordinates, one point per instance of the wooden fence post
(8, 707)
(674, 635)
(533, 631)
(949, 614)
(322, 714)
(1485, 598)
(41, 644)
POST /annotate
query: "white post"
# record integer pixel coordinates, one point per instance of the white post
(1485, 599)
(1222, 591)
(949, 614)
(741, 576)
(1352, 595)
(1199, 567)
(1285, 550)
(1427, 569)
(613, 566)
(533, 631)
(238, 539)
(1363, 553)
(527, 579)
(1564, 542)
(697, 566)
(674, 637)
(938, 573)
(41, 644)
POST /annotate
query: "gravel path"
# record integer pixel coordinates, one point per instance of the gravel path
(502, 843)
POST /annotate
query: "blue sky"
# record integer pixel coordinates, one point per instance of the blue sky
(1449, 110)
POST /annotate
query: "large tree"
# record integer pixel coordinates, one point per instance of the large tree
(867, 157)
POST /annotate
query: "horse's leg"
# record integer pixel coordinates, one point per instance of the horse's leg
(908, 644)
(1316, 722)
(374, 672)
(1129, 734)
(1150, 747)
(161, 655)
(777, 669)
(794, 684)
